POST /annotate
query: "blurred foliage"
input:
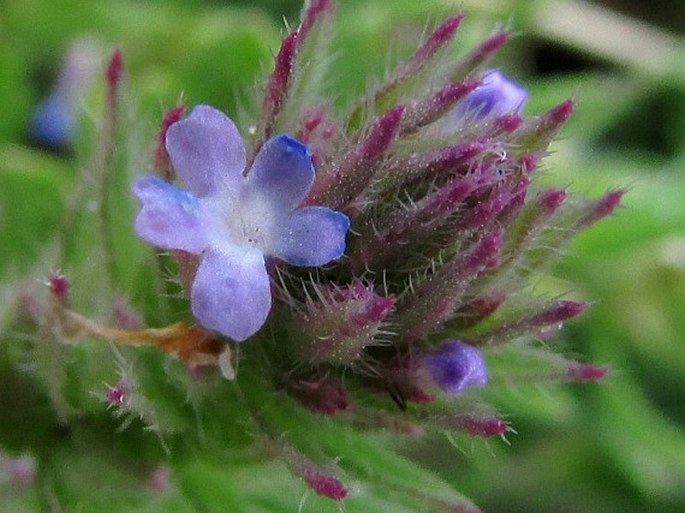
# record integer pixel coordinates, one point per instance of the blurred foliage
(616, 446)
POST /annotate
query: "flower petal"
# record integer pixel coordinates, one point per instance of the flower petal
(313, 236)
(206, 151)
(170, 218)
(282, 172)
(231, 293)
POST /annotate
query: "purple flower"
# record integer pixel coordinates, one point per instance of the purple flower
(497, 96)
(54, 120)
(456, 366)
(234, 220)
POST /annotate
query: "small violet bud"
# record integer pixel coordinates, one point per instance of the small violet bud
(456, 366)
(233, 221)
(498, 96)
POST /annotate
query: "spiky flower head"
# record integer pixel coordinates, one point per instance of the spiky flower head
(375, 259)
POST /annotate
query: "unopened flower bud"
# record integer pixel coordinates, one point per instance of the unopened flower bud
(409, 70)
(509, 122)
(532, 221)
(434, 302)
(497, 96)
(316, 10)
(457, 159)
(455, 366)
(162, 164)
(442, 36)
(278, 86)
(432, 108)
(481, 54)
(535, 323)
(600, 208)
(537, 135)
(394, 234)
(338, 327)
(339, 187)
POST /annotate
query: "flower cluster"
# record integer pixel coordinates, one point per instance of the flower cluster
(434, 177)
(370, 264)
(435, 173)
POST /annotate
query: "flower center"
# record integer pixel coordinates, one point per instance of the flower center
(246, 221)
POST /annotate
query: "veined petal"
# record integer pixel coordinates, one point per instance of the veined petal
(282, 172)
(207, 151)
(231, 292)
(170, 218)
(313, 236)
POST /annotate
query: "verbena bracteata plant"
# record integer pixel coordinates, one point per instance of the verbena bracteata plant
(346, 272)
